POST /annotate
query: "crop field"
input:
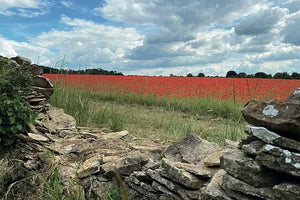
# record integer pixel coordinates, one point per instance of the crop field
(236, 89)
(164, 108)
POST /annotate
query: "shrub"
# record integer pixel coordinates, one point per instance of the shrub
(15, 112)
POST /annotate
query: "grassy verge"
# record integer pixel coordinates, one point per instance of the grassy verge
(148, 116)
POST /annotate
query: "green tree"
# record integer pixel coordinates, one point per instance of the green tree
(260, 75)
(231, 74)
(242, 75)
(201, 75)
(189, 75)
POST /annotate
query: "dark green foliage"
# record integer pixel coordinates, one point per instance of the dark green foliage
(262, 75)
(113, 194)
(201, 75)
(15, 112)
(189, 75)
(231, 74)
(99, 71)
(242, 75)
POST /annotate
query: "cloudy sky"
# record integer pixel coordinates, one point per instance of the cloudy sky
(155, 37)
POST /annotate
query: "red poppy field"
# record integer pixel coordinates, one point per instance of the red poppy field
(237, 89)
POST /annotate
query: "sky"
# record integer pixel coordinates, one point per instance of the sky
(155, 37)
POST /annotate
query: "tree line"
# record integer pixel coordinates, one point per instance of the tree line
(233, 74)
(99, 71)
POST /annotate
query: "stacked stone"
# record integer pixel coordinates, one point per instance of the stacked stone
(267, 166)
(42, 88)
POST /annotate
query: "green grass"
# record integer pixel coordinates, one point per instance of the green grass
(148, 116)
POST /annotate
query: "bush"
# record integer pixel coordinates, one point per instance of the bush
(15, 112)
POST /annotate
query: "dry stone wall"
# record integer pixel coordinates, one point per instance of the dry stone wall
(267, 165)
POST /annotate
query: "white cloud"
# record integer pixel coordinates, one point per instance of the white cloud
(24, 8)
(87, 43)
(67, 4)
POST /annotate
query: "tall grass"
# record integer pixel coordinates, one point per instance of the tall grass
(78, 103)
(149, 116)
(225, 108)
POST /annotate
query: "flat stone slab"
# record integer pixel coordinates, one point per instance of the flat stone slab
(237, 185)
(280, 160)
(90, 166)
(288, 190)
(213, 191)
(181, 176)
(238, 165)
(38, 137)
(191, 150)
(280, 117)
(273, 138)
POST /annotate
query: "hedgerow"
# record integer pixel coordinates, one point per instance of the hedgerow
(15, 112)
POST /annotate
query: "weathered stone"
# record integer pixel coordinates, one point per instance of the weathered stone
(144, 189)
(247, 140)
(181, 176)
(155, 175)
(43, 82)
(36, 100)
(34, 69)
(253, 148)
(294, 97)
(273, 138)
(231, 144)
(60, 120)
(38, 137)
(154, 149)
(213, 160)
(240, 166)
(90, 166)
(199, 170)
(213, 191)
(237, 185)
(280, 117)
(191, 150)
(290, 191)
(157, 186)
(130, 165)
(115, 135)
(46, 92)
(21, 60)
(280, 160)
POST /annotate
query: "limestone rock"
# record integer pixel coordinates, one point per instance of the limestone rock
(273, 138)
(290, 191)
(253, 148)
(115, 135)
(213, 191)
(191, 150)
(38, 137)
(34, 69)
(181, 176)
(60, 120)
(46, 92)
(213, 160)
(130, 165)
(240, 166)
(234, 184)
(199, 170)
(280, 160)
(90, 166)
(280, 117)
(21, 60)
(42, 82)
